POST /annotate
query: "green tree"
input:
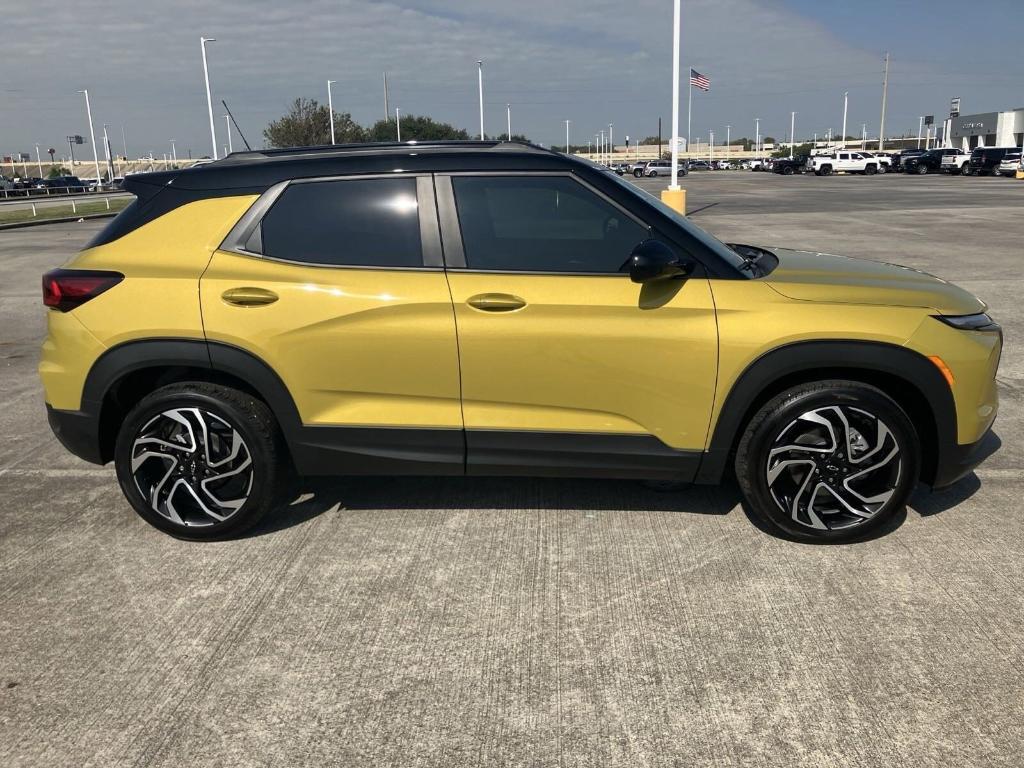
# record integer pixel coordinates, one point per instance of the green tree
(307, 124)
(418, 127)
(57, 170)
(800, 149)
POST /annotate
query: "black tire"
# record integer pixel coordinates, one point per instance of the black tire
(787, 170)
(257, 470)
(780, 421)
(967, 171)
(870, 170)
(922, 169)
(882, 168)
(638, 173)
(653, 174)
(826, 170)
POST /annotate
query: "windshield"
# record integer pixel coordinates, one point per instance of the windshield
(722, 250)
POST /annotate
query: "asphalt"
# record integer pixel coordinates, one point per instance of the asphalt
(466, 622)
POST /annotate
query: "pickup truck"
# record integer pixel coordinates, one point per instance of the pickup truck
(955, 161)
(850, 162)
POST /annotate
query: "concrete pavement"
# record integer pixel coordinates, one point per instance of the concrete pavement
(465, 622)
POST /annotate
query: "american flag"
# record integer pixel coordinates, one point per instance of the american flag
(696, 78)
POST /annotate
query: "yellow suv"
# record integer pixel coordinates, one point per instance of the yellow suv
(480, 308)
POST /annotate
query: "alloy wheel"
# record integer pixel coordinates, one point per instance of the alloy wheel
(192, 467)
(834, 467)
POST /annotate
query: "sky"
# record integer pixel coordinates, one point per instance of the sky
(593, 62)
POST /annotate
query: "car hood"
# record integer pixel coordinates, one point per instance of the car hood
(810, 276)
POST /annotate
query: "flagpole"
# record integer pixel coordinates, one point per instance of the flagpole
(689, 109)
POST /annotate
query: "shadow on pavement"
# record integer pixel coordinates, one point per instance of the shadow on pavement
(420, 493)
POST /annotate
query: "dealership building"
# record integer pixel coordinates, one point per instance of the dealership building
(988, 129)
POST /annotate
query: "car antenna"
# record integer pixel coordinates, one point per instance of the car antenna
(236, 125)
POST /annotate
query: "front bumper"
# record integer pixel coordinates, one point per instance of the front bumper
(79, 432)
(957, 461)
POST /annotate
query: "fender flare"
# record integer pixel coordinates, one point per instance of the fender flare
(918, 373)
(216, 357)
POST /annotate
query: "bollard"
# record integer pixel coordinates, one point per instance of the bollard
(73, 208)
(674, 198)
(107, 201)
(33, 210)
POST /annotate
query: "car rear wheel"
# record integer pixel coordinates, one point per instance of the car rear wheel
(870, 170)
(922, 169)
(826, 170)
(201, 461)
(828, 461)
(787, 171)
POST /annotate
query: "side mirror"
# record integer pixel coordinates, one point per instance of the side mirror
(653, 260)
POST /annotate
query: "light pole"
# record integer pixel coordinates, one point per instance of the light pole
(920, 127)
(480, 89)
(846, 95)
(792, 129)
(863, 135)
(209, 102)
(711, 147)
(92, 134)
(567, 136)
(588, 153)
(757, 136)
(39, 160)
(124, 142)
(601, 151)
(398, 124)
(330, 108)
(227, 124)
(611, 144)
(174, 152)
(728, 137)
(508, 117)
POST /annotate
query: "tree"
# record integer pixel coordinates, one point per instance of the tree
(57, 170)
(800, 149)
(419, 127)
(307, 124)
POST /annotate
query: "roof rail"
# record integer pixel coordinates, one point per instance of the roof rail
(341, 149)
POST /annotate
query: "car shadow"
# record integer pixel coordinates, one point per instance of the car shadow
(322, 495)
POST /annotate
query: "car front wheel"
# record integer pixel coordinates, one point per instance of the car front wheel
(201, 461)
(828, 461)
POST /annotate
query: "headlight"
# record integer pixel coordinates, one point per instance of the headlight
(978, 322)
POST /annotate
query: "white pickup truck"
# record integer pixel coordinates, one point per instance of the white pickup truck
(850, 162)
(954, 161)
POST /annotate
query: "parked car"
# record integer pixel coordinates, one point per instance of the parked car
(985, 160)
(600, 333)
(637, 168)
(60, 184)
(954, 161)
(5, 183)
(698, 165)
(899, 157)
(788, 167)
(929, 161)
(884, 159)
(620, 168)
(1010, 164)
(663, 168)
(850, 162)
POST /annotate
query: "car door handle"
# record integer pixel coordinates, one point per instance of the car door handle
(249, 296)
(496, 302)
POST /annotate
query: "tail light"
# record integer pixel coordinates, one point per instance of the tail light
(65, 289)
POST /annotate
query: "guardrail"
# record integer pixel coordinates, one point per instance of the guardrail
(8, 194)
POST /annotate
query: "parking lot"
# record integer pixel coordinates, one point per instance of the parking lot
(498, 622)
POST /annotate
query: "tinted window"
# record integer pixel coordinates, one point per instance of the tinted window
(361, 222)
(541, 224)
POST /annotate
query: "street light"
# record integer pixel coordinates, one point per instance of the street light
(567, 136)
(209, 102)
(39, 161)
(508, 115)
(846, 95)
(611, 144)
(792, 136)
(92, 134)
(757, 136)
(174, 152)
(330, 107)
(728, 136)
(480, 87)
(675, 196)
(398, 124)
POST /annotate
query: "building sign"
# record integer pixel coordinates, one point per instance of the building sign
(973, 125)
(954, 107)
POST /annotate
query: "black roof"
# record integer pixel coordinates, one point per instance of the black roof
(256, 170)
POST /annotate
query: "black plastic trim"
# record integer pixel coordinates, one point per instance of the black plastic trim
(898, 362)
(78, 431)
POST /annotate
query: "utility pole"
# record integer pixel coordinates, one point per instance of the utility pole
(209, 102)
(885, 93)
(508, 115)
(108, 154)
(846, 95)
(398, 124)
(227, 122)
(174, 151)
(611, 144)
(792, 134)
(124, 142)
(920, 128)
(92, 134)
(39, 161)
(863, 135)
(387, 109)
(567, 136)
(728, 136)
(330, 109)
(480, 85)
(757, 136)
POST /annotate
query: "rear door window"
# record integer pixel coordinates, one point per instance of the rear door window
(346, 222)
